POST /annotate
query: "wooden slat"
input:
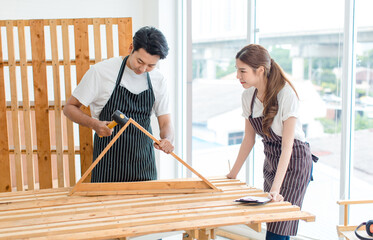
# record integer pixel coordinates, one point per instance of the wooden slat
(68, 90)
(45, 22)
(351, 202)
(57, 105)
(14, 106)
(48, 62)
(97, 39)
(109, 37)
(230, 235)
(41, 103)
(124, 35)
(5, 179)
(52, 214)
(82, 65)
(26, 107)
(53, 150)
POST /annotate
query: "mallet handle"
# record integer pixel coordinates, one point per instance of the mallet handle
(111, 125)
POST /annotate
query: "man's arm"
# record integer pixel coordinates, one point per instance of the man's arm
(74, 113)
(166, 132)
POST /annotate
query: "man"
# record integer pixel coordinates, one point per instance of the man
(134, 86)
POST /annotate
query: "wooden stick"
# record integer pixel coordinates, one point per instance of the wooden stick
(57, 105)
(14, 106)
(99, 157)
(173, 154)
(67, 80)
(26, 108)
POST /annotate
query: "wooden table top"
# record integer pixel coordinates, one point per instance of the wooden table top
(52, 214)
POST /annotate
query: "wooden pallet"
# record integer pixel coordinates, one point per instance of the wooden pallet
(35, 137)
(52, 214)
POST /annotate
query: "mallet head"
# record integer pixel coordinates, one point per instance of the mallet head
(119, 118)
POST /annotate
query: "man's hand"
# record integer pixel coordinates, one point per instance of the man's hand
(102, 129)
(164, 145)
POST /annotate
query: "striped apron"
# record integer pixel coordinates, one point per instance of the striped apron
(297, 176)
(131, 158)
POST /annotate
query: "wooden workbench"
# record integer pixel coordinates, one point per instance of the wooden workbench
(52, 214)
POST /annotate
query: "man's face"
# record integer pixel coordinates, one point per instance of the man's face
(141, 61)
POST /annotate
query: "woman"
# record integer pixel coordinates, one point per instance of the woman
(270, 106)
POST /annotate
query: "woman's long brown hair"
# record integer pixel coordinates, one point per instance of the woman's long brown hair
(255, 56)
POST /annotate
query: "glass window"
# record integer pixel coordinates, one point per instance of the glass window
(362, 176)
(305, 38)
(219, 32)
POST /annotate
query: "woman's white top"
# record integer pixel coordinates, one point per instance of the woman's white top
(288, 106)
(97, 85)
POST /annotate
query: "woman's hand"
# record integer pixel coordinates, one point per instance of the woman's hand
(231, 175)
(275, 196)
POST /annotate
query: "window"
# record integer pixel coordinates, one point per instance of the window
(235, 138)
(219, 32)
(362, 174)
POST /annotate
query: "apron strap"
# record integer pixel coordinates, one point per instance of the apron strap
(252, 102)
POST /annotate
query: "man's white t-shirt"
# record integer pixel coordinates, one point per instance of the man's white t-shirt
(97, 85)
(288, 106)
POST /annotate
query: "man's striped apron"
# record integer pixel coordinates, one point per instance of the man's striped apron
(131, 158)
(297, 176)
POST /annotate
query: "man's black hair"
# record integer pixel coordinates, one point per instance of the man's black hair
(151, 40)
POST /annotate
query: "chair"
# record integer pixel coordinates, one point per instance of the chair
(348, 231)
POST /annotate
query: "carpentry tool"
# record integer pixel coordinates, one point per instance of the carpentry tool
(118, 118)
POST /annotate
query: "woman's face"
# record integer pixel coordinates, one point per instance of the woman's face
(246, 74)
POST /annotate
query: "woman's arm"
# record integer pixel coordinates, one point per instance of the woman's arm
(286, 149)
(245, 148)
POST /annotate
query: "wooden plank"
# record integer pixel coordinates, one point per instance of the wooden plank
(82, 65)
(124, 35)
(351, 202)
(230, 235)
(41, 103)
(255, 226)
(57, 105)
(45, 22)
(5, 179)
(143, 185)
(14, 107)
(26, 108)
(109, 37)
(68, 91)
(49, 199)
(48, 62)
(97, 39)
(128, 220)
(119, 229)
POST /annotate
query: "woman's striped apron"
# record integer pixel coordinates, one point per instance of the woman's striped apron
(131, 158)
(297, 176)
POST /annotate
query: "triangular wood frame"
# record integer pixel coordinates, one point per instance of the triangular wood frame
(143, 187)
